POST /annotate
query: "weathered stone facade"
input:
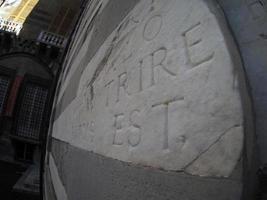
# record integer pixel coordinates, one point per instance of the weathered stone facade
(152, 103)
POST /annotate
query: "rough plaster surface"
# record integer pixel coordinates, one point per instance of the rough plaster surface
(161, 91)
(86, 175)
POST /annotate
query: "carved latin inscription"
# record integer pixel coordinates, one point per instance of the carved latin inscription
(118, 134)
(122, 81)
(134, 133)
(152, 27)
(148, 66)
(144, 104)
(165, 106)
(148, 71)
(129, 131)
(196, 50)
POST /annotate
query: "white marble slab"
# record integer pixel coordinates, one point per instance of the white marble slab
(161, 92)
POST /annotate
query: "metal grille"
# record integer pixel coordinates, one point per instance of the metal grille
(4, 84)
(31, 112)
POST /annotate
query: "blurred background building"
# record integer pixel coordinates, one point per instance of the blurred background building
(13, 13)
(33, 38)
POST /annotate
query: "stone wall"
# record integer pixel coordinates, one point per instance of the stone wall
(152, 104)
